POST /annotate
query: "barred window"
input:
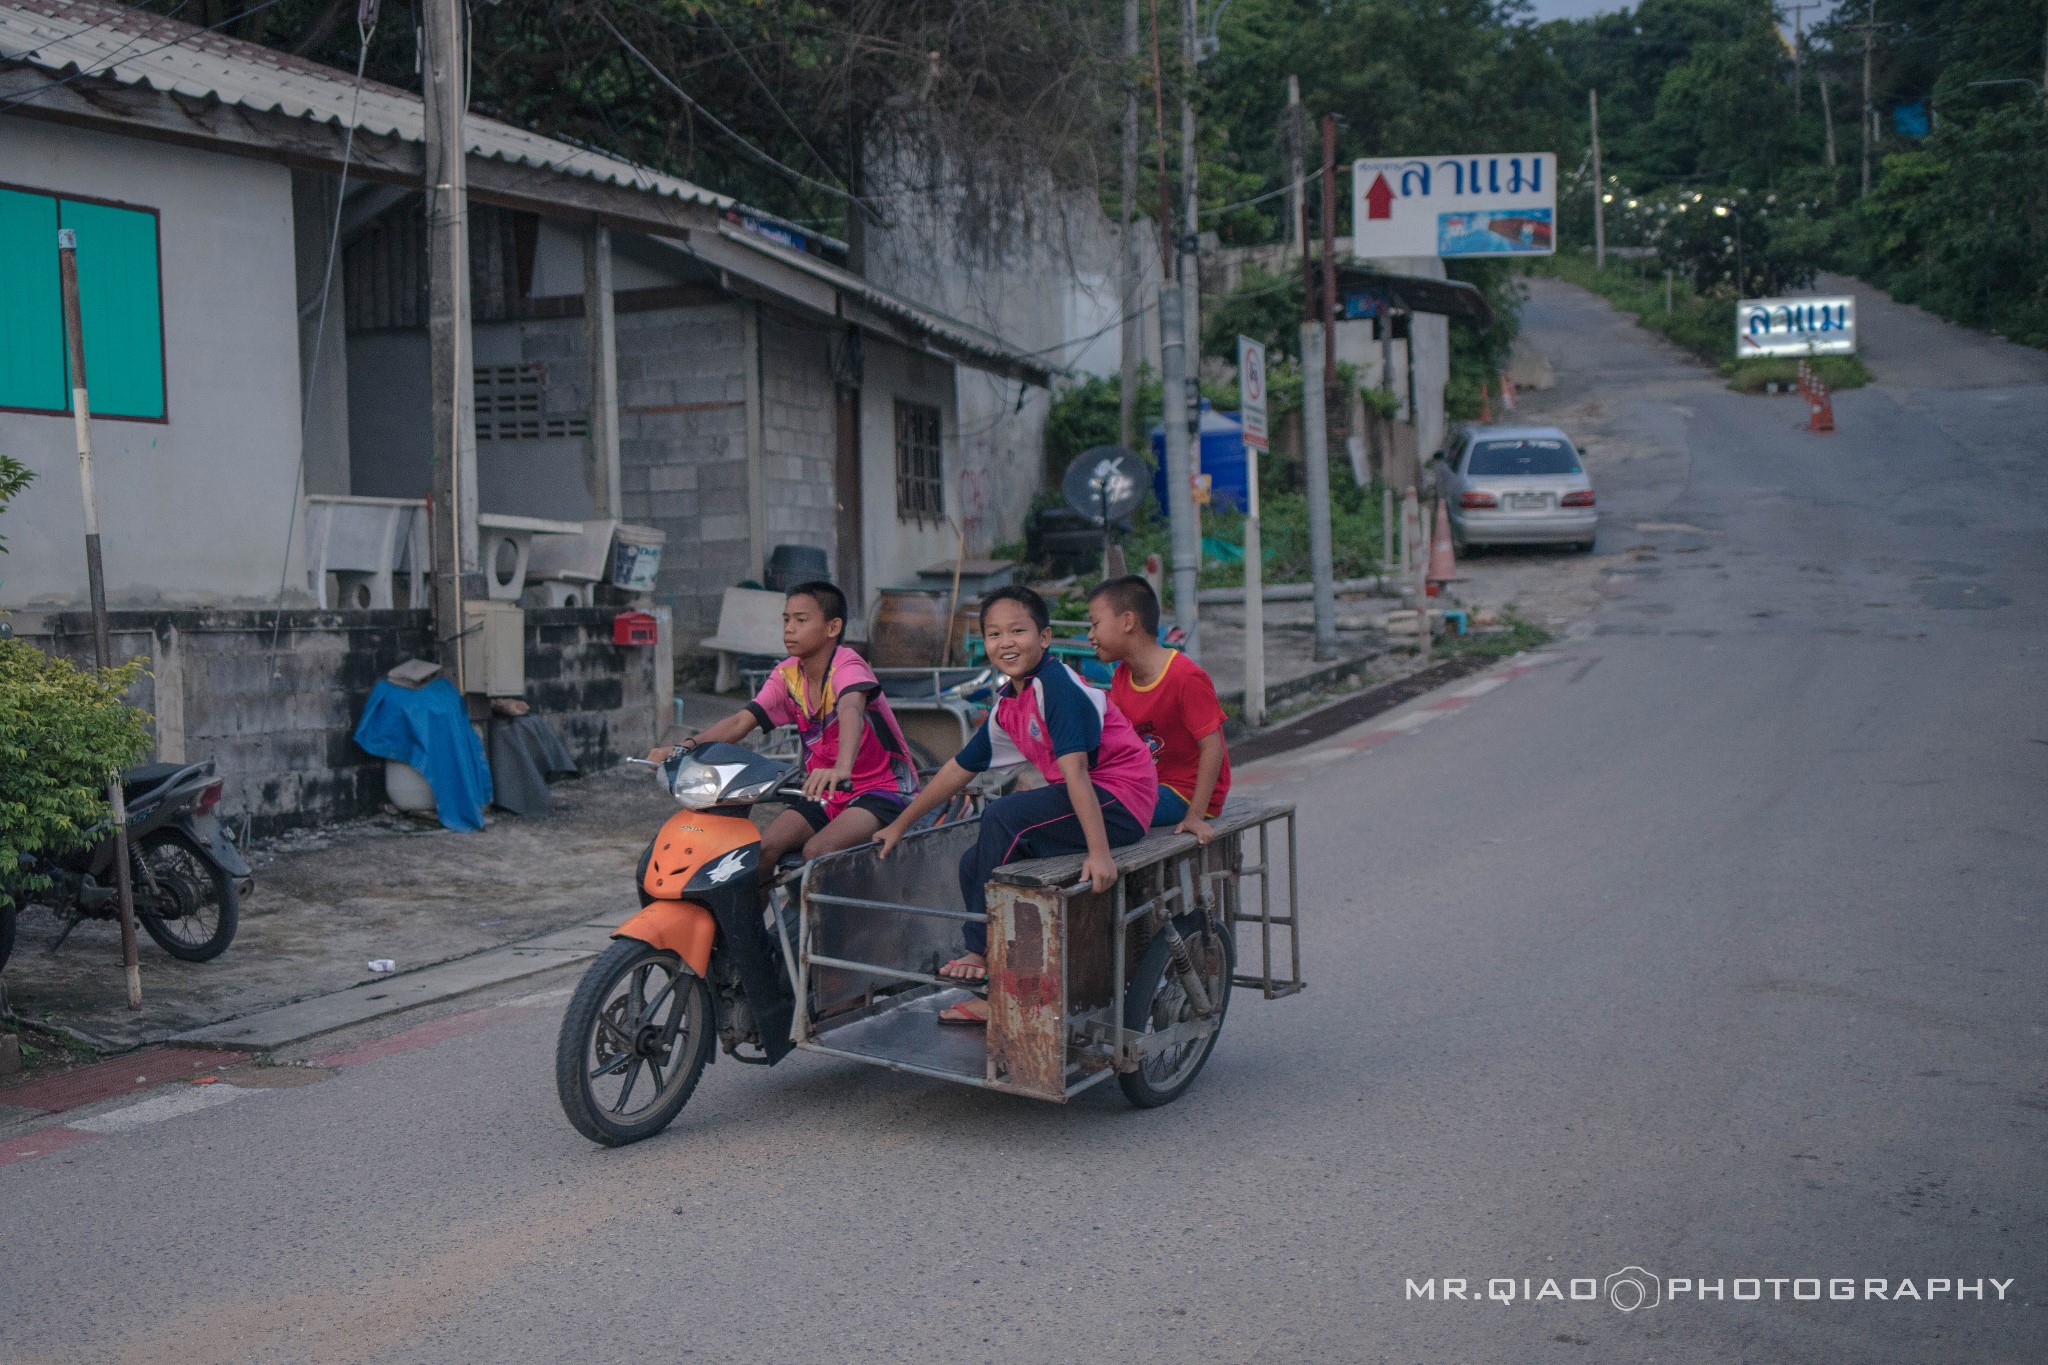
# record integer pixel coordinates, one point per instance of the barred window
(920, 464)
(509, 403)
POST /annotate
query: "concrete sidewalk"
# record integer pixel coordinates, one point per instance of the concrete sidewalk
(490, 904)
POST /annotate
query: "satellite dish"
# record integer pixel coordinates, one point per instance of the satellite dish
(1105, 484)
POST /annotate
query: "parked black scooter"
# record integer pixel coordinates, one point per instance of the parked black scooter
(186, 873)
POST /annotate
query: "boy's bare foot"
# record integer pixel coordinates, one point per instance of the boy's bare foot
(966, 967)
(966, 1012)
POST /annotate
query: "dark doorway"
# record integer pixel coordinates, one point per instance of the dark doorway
(846, 486)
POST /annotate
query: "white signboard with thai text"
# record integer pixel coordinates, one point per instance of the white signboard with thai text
(1809, 326)
(1493, 205)
(1251, 391)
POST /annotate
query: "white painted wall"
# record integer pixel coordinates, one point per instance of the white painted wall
(193, 510)
(1052, 289)
(894, 550)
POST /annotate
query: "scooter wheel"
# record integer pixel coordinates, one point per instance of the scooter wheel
(183, 898)
(633, 1043)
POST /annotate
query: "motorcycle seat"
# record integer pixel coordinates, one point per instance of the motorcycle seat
(138, 780)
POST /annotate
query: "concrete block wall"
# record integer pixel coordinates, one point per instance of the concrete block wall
(280, 729)
(799, 445)
(683, 451)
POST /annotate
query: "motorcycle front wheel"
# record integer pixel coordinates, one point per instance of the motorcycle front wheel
(633, 1043)
(184, 899)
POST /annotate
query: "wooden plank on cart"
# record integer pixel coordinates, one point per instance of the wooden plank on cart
(1156, 846)
(1027, 1028)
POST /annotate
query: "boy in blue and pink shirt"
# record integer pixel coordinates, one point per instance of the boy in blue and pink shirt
(1100, 787)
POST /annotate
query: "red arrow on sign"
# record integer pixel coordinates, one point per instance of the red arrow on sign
(1379, 200)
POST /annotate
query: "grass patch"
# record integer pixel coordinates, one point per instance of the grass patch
(1702, 324)
(1513, 636)
(46, 1048)
(1750, 376)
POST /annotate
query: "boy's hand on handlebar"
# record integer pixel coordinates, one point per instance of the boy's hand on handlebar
(659, 754)
(819, 784)
(1100, 870)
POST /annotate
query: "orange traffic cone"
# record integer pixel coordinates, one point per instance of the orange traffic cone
(1821, 408)
(1443, 565)
(1485, 407)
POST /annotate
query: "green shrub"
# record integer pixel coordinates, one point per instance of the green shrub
(64, 731)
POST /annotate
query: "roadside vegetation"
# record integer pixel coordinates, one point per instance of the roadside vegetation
(1701, 324)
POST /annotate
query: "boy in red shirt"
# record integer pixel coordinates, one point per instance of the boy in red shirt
(1169, 699)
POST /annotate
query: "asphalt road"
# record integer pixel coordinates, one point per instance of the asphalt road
(1711, 946)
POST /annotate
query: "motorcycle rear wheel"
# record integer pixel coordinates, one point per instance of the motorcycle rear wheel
(1157, 1000)
(192, 910)
(640, 1023)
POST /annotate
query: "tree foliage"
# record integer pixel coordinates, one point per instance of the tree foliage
(64, 731)
(14, 476)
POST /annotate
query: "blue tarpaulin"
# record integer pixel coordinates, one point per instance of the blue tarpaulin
(429, 728)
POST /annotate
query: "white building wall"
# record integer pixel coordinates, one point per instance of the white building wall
(1051, 289)
(893, 548)
(194, 509)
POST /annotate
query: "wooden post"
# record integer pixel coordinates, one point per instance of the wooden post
(96, 583)
(601, 343)
(1599, 188)
(1316, 424)
(451, 363)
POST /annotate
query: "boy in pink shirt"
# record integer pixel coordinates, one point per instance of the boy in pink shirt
(1100, 782)
(843, 721)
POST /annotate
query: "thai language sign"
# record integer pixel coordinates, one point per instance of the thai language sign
(1493, 205)
(1795, 327)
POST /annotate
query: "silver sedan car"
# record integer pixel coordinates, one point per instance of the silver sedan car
(1516, 486)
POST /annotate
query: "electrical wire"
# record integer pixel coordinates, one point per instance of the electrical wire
(348, 145)
(713, 120)
(1306, 181)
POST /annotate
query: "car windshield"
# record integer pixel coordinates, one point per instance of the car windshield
(1535, 455)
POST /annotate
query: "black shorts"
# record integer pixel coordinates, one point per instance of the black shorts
(878, 804)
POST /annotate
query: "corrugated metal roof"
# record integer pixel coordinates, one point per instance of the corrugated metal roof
(135, 47)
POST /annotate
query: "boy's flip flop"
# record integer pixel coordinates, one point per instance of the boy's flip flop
(971, 966)
(957, 1016)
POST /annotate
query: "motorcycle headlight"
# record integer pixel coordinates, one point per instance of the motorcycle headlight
(698, 784)
(753, 791)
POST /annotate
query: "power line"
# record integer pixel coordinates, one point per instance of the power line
(713, 120)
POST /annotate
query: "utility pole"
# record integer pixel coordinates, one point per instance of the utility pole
(1827, 117)
(1180, 493)
(1599, 187)
(1799, 53)
(1869, 113)
(96, 585)
(1191, 262)
(450, 367)
(1132, 338)
(1315, 422)
(1297, 202)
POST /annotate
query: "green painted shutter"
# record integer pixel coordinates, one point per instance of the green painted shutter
(31, 304)
(118, 304)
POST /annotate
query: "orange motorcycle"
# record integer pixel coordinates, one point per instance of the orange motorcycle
(699, 961)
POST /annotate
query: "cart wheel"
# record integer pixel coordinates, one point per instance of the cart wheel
(638, 1029)
(1157, 1001)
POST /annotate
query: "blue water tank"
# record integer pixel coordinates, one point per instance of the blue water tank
(1222, 461)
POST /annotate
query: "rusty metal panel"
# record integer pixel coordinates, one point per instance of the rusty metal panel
(1027, 1024)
